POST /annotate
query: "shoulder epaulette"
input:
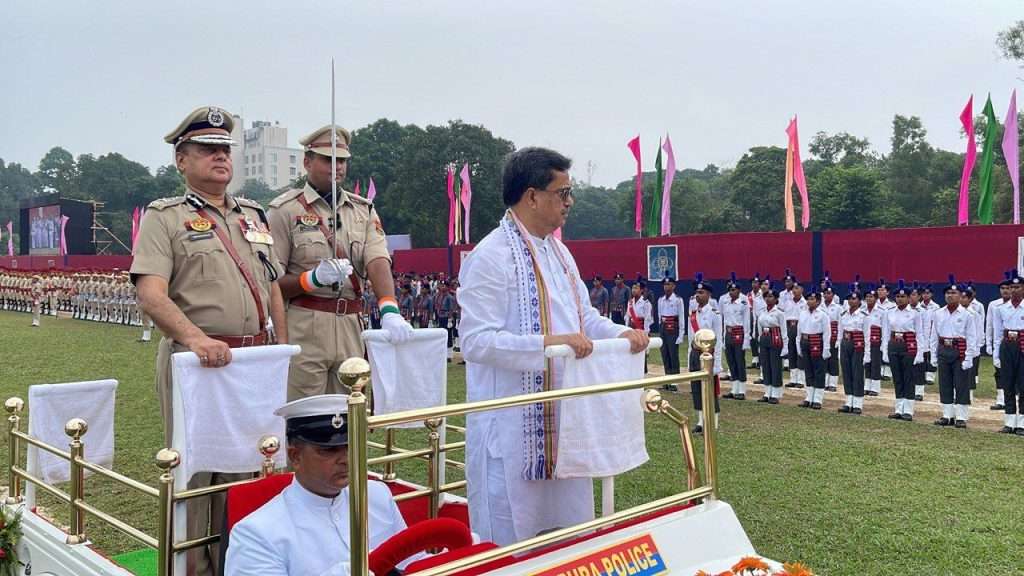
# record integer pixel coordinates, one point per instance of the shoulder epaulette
(358, 199)
(284, 197)
(249, 203)
(166, 202)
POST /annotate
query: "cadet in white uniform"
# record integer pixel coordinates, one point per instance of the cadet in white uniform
(978, 309)
(929, 307)
(639, 313)
(1004, 296)
(831, 306)
(873, 376)
(773, 345)
(755, 298)
(670, 312)
(305, 529)
(703, 315)
(901, 326)
(1008, 329)
(953, 341)
(814, 337)
(736, 318)
(795, 306)
(853, 322)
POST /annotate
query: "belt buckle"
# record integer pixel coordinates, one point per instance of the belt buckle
(1012, 333)
(340, 307)
(248, 340)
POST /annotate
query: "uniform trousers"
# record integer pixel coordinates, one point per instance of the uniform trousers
(1012, 372)
(953, 385)
(670, 351)
(736, 358)
(327, 340)
(618, 317)
(852, 361)
(794, 356)
(832, 364)
(755, 350)
(813, 366)
(204, 515)
(697, 386)
(973, 376)
(928, 363)
(902, 364)
(918, 372)
(874, 371)
(443, 322)
(771, 361)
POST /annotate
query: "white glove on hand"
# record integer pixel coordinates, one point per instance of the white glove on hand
(995, 362)
(332, 271)
(966, 364)
(398, 329)
(826, 355)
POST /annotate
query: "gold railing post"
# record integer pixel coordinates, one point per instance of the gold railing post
(166, 460)
(434, 464)
(269, 445)
(355, 373)
(654, 402)
(706, 343)
(75, 429)
(13, 406)
(389, 449)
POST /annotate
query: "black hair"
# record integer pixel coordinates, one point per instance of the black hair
(530, 168)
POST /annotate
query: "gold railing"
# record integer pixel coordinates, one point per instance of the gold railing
(79, 508)
(355, 373)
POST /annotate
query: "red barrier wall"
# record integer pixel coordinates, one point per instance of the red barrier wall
(73, 262)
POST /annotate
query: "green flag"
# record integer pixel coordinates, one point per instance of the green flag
(653, 225)
(985, 180)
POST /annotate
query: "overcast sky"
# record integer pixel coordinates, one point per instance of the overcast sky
(582, 76)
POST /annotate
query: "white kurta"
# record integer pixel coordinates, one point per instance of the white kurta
(299, 533)
(503, 506)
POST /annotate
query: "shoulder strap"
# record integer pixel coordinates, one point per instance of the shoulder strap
(246, 273)
(356, 287)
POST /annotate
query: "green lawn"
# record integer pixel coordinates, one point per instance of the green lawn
(848, 496)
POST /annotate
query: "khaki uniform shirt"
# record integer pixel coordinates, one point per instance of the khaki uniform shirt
(300, 247)
(203, 280)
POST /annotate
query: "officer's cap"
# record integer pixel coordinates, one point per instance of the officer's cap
(619, 276)
(597, 277)
(902, 289)
(700, 284)
(1015, 278)
(668, 280)
(320, 142)
(789, 276)
(319, 420)
(1007, 278)
(206, 125)
(951, 285)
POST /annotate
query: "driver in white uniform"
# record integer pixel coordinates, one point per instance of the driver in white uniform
(304, 530)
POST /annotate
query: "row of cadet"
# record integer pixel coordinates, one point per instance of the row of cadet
(874, 333)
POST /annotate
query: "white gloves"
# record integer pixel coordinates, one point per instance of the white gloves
(995, 362)
(966, 364)
(332, 271)
(826, 355)
(398, 329)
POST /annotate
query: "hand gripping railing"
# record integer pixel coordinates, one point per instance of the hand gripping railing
(356, 376)
(166, 460)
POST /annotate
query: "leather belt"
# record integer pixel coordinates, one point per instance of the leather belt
(901, 335)
(261, 339)
(336, 306)
(950, 342)
(1012, 334)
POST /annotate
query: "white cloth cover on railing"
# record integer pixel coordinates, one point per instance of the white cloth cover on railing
(601, 435)
(410, 375)
(220, 414)
(52, 405)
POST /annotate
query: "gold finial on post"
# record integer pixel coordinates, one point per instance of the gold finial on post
(705, 340)
(269, 446)
(434, 464)
(166, 460)
(75, 429)
(355, 373)
(14, 407)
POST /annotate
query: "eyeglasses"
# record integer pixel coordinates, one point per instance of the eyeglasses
(563, 193)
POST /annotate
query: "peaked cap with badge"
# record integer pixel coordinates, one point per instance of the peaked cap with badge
(205, 125)
(320, 420)
(320, 141)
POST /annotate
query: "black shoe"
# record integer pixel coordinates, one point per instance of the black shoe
(728, 396)
(764, 399)
(1006, 430)
(830, 388)
(858, 411)
(1019, 431)
(740, 397)
(886, 378)
(672, 388)
(907, 417)
(895, 416)
(871, 393)
(798, 385)
(960, 424)
(759, 381)
(753, 367)
(805, 404)
(698, 429)
(918, 397)
(773, 400)
(725, 379)
(816, 406)
(996, 407)
(845, 409)
(942, 422)
(791, 385)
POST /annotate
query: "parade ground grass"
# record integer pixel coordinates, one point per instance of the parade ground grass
(848, 496)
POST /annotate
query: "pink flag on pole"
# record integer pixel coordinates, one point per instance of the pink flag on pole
(666, 194)
(467, 196)
(798, 174)
(967, 121)
(451, 206)
(371, 191)
(1011, 151)
(357, 191)
(136, 217)
(634, 146)
(10, 238)
(63, 238)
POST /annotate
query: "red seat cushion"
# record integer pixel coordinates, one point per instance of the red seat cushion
(452, 555)
(247, 498)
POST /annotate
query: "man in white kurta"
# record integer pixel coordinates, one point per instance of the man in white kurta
(504, 505)
(304, 530)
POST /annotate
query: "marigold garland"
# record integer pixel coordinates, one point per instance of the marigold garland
(754, 566)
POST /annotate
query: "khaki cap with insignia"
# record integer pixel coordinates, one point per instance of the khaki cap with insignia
(205, 125)
(320, 142)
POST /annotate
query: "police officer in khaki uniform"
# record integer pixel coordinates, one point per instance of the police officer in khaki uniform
(205, 271)
(324, 291)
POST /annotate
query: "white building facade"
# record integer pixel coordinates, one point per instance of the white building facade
(267, 157)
